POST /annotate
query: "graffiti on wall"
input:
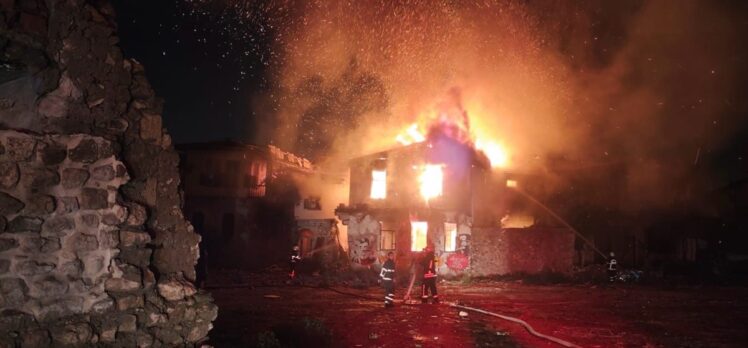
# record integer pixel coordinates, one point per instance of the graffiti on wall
(363, 252)
(363, 232)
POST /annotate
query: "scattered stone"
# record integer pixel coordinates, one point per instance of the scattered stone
(175, 290)
(7, 244)
(86, 152)
(25, 224)
(9, 175)
(103, 173)
(74, 177)
(20, 149)
(93, 198)
(9, 205)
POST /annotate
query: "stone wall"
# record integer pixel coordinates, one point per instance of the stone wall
(521, 251)
(94, 249)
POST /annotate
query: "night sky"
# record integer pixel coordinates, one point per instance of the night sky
(217, 66)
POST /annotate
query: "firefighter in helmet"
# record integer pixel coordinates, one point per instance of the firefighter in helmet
(428, 283)
(612, 267)
(388, 280)
(295, 257)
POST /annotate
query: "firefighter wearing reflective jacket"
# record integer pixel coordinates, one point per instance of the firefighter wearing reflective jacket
(388, 280)
(428, 284)
(295, 257)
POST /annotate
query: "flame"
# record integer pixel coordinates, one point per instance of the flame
(378, 184)
(431, 180)
(496, 153)
(411, 135)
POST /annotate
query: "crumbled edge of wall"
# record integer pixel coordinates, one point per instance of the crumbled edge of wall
(94, 249)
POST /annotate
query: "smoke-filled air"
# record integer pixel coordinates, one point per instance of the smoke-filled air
(648, 87)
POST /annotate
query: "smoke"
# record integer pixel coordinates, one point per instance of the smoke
(642, 86)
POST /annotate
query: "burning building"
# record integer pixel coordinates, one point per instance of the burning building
(441, 191)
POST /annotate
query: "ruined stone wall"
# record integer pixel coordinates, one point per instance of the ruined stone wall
(521, 251)
(94, 249)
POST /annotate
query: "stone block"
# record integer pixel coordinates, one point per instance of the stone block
(9, 175)
(51, 287)
(3, 223)
(87, 151)
(4, 266)
(150, 127)
(74, 177)
(155, 319)
(103, 305)
(143, 339)
(90, 220)
(121, 285)
(199, 331)
(58, 224)
(52, 153)
(129, 238)
(128, 323)
(93, 198)
(40, 205)
(109, 239)
(72, 269)
(44, 179)
(35, 339)
(9, 205)
(25, 224)
(8, 244)
(116, 215)
(72, 334)
(137, 216)
(135, 256)
(34, 268)
(67, 205)
(127, 302)
(50, 245)
(20, 149)
(168, 337)
(14, 292)
(175, 290)
(103, 173)
(85, 242)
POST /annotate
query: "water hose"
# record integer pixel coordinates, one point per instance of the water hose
(518, 321)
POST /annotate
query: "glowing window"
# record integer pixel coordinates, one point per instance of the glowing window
(418, 231)
(511, 183)
(450, 236)
(378, 184)
(388, 240)
(431, 179)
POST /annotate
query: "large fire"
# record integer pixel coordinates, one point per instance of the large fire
(431, 181)
(497, 153)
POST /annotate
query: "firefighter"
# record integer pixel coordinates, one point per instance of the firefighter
(428, 283)
(295, 257)
(388, 280)
(612, 267)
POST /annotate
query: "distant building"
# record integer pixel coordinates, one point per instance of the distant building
(243, 200)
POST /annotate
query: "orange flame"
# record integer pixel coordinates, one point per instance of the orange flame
(431, 181)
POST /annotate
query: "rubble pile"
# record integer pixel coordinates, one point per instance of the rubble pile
(94, 249)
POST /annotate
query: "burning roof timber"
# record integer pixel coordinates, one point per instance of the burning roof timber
(269, 152)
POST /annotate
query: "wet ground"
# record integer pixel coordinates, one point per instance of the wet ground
(276, 314)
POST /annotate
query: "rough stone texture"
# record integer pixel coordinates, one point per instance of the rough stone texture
(89, 191)
(533, 251)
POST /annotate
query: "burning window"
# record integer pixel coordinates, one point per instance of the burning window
(431, 180)
(387, 240)
(450, 236)
(511, 183)
(418, 231)
(378, 184)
